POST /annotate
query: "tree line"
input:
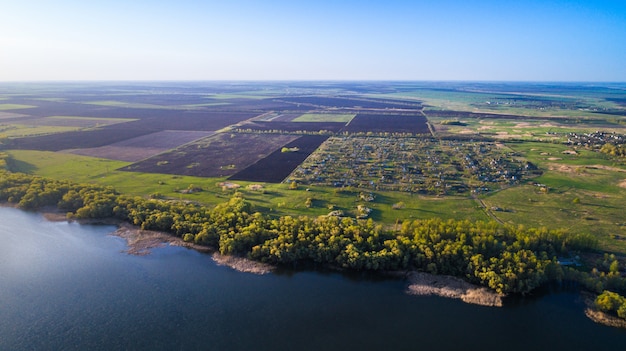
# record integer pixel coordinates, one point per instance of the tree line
(505, 258)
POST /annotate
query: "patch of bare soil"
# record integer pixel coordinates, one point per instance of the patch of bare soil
(606, 168)
(600, 317)
(563, 168)
(452, 287)
(579, 169)
(622, 184)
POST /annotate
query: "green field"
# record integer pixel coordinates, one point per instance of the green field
(4, 107)
(19, 130)
(113, 103)
(324, 117)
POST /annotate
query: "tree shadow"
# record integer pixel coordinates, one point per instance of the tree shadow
(14, 165)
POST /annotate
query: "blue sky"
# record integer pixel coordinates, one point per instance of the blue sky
(527, 40)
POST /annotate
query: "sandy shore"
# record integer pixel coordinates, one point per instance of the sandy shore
(600, 317)
(451, 287)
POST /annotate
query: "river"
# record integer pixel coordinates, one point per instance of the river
(65, 286)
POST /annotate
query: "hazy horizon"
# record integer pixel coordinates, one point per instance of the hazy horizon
(398, 41)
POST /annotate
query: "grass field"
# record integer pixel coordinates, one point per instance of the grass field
(20, 130)
(4, 107)
(325, 117)
(275, 199)
(113, 103)
(585, 194)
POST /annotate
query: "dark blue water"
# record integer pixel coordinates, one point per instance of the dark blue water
(65, 286)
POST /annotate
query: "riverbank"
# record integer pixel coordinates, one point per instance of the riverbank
(600, 317)
(141, 242)
(425, 284)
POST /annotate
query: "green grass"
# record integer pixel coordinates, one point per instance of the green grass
(252, 95)
(18, 130)
(205, 105)
(274, 199)
(99, 120)
(590, 177)
(114, 103)
(597, 213)
(324, 117)
(4, 107)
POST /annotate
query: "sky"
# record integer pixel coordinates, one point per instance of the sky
(485, 40)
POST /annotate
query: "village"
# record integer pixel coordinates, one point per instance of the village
(416, 165)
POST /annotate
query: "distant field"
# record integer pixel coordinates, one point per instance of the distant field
(20, 130)
(75, 121)
(324, 117)
(124, 104)
(4, 107)
(139, 148)
(9, 115)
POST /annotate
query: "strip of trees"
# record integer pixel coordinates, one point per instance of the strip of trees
(505, 258)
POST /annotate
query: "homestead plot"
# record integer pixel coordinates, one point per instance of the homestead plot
(136, 149)
(279, 164)
(220, 155)
(412, 165)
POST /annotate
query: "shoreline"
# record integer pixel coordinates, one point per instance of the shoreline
(140, 242)
(425, 284)
(598, 316)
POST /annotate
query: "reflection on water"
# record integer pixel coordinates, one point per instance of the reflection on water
(64, 286)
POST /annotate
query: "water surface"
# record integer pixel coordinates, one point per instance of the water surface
(65, 286)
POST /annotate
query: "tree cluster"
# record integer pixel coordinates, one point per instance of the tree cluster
(612, 303)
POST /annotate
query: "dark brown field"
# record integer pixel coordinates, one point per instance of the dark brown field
(278, 165)
(137, 149)
(83, 139)
(220, 155)
(387, 123)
